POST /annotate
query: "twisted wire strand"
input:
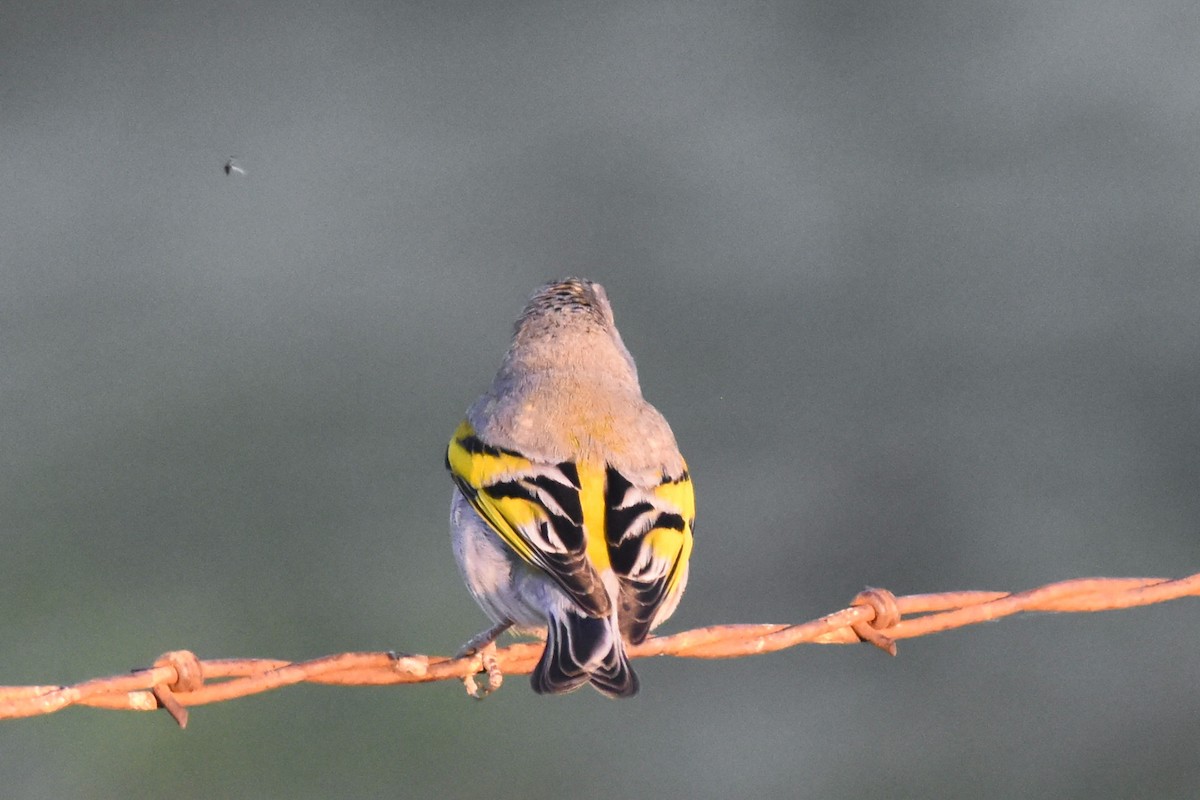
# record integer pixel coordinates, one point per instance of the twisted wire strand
(179, 679)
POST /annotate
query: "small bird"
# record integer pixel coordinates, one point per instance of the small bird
(233, 168)
(573, 510)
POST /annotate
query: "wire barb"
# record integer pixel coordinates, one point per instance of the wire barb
(886, 615)
(179, 679)
(189, 677)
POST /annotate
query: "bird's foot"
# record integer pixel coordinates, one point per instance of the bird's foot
(483, 644)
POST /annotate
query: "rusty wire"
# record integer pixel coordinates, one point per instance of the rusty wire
(179, 679)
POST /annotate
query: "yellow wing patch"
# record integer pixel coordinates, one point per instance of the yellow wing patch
(541, 511)
(649, 530)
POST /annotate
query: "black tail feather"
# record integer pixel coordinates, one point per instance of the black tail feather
(580, 650)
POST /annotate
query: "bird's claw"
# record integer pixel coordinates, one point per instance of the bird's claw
(483, 644)
(490, 665)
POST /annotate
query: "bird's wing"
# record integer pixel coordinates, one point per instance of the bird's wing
(536, 508)
(649, 530)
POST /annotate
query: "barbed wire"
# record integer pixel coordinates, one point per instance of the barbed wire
(179, 679)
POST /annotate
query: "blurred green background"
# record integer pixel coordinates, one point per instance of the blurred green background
(918, 286)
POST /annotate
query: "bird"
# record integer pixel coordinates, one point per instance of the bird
(573, 510)
(233, 168)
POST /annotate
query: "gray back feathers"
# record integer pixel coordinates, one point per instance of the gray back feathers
(568, 388)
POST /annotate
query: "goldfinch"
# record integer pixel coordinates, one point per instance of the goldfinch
(573, 509)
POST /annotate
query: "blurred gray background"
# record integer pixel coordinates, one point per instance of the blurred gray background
(918, 286)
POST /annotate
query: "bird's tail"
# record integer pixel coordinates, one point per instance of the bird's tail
(581, 649)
